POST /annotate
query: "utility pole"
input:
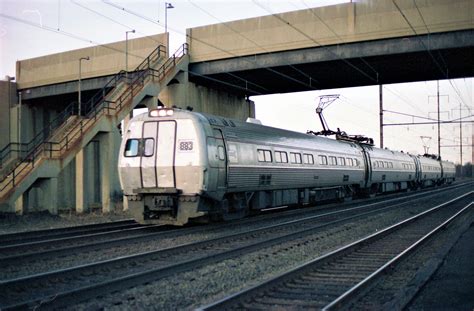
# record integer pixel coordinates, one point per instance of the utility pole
(460, 136)
(126, 51)
(167, 6)
(79, 100)
(381, 115)
(439, 126)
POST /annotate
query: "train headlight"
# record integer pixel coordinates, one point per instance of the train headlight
(161, 112)
(154, 113)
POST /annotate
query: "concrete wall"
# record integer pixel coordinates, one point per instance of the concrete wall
(361, 20)
(104, 60)
(8, 100)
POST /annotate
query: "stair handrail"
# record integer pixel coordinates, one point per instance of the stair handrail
(141, 73)
(44, 134)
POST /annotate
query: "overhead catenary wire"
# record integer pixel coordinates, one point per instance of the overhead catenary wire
(76, 2)
(248, 39)
(256, 44)
(211, 45)
(231, 84)
(444, 72)
(278, 16)
(65, 33)
(313, 12)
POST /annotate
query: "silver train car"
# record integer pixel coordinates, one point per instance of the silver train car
(177, 166)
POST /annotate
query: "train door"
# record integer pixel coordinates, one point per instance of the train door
(165, 155)
(368, 167)
(221, 160)
(417, 168)
(148, 155)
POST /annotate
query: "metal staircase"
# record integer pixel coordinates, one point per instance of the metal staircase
(58, 143)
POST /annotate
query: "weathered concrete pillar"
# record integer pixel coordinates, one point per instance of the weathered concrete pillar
(80, 203)
(151, 102)
(126, 121)
(49, 188)
(106, 143)
(19, 205)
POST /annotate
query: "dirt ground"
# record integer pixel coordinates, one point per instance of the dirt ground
(445, 291)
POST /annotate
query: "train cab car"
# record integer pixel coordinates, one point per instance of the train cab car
(162, 166)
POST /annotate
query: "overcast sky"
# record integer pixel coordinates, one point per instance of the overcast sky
(34, 28)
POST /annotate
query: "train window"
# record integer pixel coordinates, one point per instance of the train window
(308, 158)
(149, 147)
(332, 160)
(341, 161)
(323, 160)
(295, 158)
(281, 157)
(264, 155)
(221, 152)
(350, 162)
(131, 148)
(391, 164)
(356, 162)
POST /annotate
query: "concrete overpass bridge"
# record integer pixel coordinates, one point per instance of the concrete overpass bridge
(354, 44)
(59, 160)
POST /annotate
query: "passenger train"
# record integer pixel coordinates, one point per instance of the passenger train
(177, 166)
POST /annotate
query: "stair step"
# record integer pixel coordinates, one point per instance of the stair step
(71, 131)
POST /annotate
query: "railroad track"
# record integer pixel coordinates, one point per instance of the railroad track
(50, 234)
(333, 280)
(81, 240)
(79, 283)
(92, 241)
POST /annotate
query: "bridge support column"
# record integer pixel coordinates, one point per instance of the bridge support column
(108, 165)
(49, 189)
(126, 121)
(151, 102)
(19, 209)
(80, 202)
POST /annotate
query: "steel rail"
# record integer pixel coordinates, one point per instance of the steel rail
(325, 259)
(137, 278)
(26, 236)
(18, 248)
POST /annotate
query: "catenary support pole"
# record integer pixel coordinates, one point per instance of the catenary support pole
(381, 114)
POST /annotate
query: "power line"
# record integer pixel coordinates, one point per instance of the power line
(445, 74)
(313, 11)
(277, 16)
(248, 39)
(114, 21)
(133, 13)
(64, 33)
(403, 99)
(210, 45)
(409, 115)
